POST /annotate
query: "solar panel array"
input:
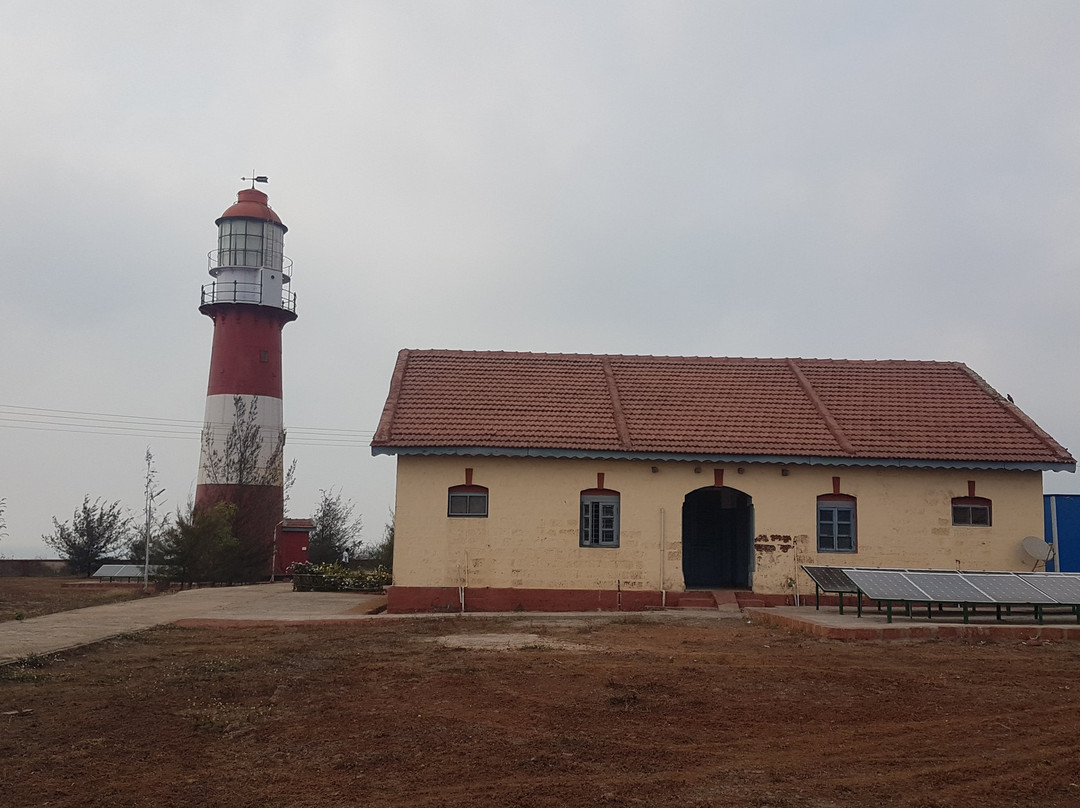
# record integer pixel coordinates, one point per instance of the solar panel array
(999, 589)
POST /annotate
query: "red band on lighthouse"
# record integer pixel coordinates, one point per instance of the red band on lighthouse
(246, 356)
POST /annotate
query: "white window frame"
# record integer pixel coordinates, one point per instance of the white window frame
(594, 531)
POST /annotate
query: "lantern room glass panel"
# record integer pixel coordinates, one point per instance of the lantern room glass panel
(250, 243)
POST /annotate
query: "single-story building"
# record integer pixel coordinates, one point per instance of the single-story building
(568, 481)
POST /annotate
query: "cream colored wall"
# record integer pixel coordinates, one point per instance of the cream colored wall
(530, 537)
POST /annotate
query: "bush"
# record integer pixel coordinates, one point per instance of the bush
(308, 577)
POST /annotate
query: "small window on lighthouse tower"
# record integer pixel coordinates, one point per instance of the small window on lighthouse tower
(264, 356)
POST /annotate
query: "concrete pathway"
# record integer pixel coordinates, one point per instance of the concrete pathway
(263, 602)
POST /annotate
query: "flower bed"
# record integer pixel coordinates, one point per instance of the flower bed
(336, 578)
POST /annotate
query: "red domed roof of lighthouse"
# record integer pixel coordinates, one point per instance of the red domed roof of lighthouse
(251, 204)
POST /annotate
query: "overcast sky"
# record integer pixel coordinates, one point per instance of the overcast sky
(886, 180)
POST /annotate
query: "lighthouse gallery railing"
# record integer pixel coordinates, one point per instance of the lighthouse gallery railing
(241, 292)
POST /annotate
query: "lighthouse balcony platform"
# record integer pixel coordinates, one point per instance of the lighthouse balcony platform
(255, 293)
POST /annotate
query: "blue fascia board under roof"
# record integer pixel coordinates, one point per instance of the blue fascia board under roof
(784, 460)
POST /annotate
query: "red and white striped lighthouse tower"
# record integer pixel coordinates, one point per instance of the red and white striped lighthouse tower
(250, 302)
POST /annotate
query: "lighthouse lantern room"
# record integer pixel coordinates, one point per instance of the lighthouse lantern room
(249, 264)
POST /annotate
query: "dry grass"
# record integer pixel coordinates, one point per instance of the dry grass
(22, 598)
(432, 713)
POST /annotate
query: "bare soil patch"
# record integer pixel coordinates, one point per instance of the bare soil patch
(626, 712)
(32, 597)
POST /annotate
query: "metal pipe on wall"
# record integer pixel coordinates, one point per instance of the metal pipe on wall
(663, 557)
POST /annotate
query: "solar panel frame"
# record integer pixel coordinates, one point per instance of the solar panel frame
(1063, 587)
(887, 586)
(1008, 589)
(948, 587)
(831, 579)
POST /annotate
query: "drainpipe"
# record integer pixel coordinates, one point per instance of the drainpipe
(796, 578)
(463, 582)
(663, 554)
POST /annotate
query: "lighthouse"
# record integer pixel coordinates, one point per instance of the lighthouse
(249, 301)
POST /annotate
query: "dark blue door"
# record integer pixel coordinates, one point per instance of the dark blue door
(718, 538)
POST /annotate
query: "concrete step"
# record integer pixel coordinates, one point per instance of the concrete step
(701, 598)
(700, 603)
(746, 603)
(724, 596)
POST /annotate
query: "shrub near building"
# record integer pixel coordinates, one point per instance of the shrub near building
(336, 578)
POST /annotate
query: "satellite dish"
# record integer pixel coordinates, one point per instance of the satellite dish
(1037, 548)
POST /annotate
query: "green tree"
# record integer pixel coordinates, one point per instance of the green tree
(200, 545)
(135, 549)
(337, 529)
(94, 534)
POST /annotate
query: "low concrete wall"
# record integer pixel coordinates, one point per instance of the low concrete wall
(31, 567)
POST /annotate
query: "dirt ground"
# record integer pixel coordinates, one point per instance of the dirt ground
(539, 712)
(22, 598)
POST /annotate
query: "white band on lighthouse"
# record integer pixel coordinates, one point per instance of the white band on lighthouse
(246, 465)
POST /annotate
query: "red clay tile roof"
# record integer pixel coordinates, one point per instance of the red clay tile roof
(702, 406)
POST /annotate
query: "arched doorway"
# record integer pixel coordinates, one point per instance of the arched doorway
(718, 538)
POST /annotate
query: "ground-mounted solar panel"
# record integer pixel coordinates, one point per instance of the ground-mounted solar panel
(1008, 588)
(1062, 587)
(124, 570)
(882, 585)
(968, 589)
(830, 579)
(948, 587)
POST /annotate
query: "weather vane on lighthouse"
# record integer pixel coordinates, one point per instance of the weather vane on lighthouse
(256, 178)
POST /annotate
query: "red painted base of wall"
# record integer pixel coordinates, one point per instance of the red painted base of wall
(404, 599)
